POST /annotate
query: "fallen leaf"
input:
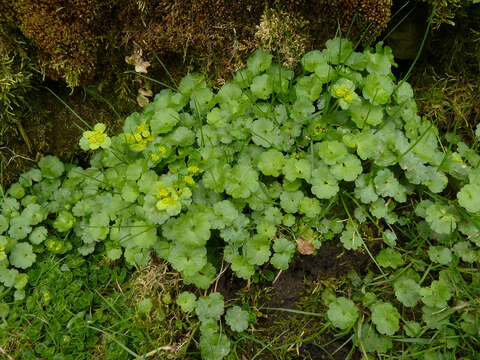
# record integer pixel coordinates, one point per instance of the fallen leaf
(143, 95)
(305, 247)
(137, 61)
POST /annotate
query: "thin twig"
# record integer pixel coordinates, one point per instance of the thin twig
(276, 277)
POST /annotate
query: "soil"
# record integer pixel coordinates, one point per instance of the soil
(331, 261)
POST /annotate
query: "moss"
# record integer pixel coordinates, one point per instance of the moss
(285, 33)
(367, 18)
(445, 10)
(65, 32)
(448, 99)
(15, 82)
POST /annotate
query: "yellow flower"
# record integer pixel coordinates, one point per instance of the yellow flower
(92, 140)
(162, 149)
(161, 191)
(142, 129)
(193, 169)
(348, 98)
(167, 202)
(128, 138)
(155, 157)
(189, 180)
(342, 91)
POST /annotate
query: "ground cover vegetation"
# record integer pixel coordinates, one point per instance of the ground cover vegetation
(268, 168)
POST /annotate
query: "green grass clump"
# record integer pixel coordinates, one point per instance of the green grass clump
(272, 165)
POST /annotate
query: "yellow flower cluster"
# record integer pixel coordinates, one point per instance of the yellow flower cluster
(140, 137)
(170, 197)
(167, 197)
(92, 140)
(193, 169)
(343, 91)
(54, 246)
(160, 154)
(189, 180)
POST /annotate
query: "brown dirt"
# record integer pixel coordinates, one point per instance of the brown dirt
(330, 262)
(288, 292)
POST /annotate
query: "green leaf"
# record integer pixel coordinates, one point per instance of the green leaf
(387, 185)
(8, 276)
(403, 93)
(311, 60)
(440, 219)
(271, 162)
(347, 169)
(259, 61)
(377, 88)
(187, 301)
(19, 228)
(242, 268)
(187, 260)
(164, 121)
(468, 197)
(214, 346)
(324, 184)
(372, 341)
(35, 213)
(145, 306)
(337, 50)
(3, 224)
(22, 256)
(38, 235)
(203, 278)
(332, 152)
(440, 254)
(309, 87)
(407, 291)
(389, 257)
(310, 207)
(191, 229)
(386, 318)
(257, 250)
(364, 114)
(210, 307)
(114, 253)
(437, 294)
(284, 250)
(262, 86)
(64, 221)
(350, 237)
(464, 250)
(291, 200)
(237, 319)
(343, 313)
(16, 191)
(297, 169)
(242, 181)
(225, 213)
(412, 328)
(380, 61)
(51, 167)
(190, 83)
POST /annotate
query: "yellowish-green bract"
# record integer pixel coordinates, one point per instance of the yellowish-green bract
(270, 157)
